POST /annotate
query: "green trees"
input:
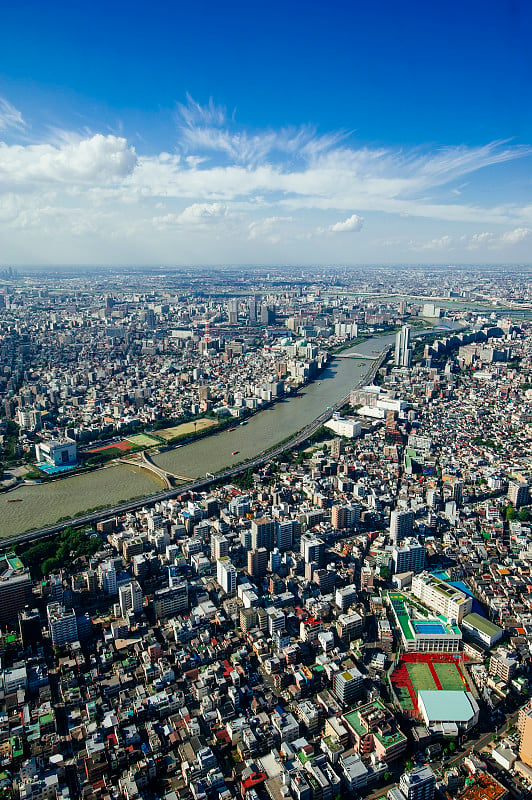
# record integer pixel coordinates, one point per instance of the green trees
(48, 555)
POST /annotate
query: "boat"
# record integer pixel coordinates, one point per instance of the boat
(232, 429)
(14, 500)
(235, 452)
(243, 423)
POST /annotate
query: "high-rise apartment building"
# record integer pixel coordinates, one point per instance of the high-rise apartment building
(258, 562)
(226, 576)
(401, 525)
(409, 557)
(263, 533)
(347, 685)
(130, 598)
(62, 624)
(403, 351)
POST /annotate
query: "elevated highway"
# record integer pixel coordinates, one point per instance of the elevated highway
(199, 484)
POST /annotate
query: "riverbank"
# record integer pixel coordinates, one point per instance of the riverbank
(43, 504)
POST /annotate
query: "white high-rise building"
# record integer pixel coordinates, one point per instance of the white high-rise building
(226, 576)
(130, 597)
(401, 525)
(108, 577)
(62, 624)
(403, 351)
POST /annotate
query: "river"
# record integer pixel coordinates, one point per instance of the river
(43, 504)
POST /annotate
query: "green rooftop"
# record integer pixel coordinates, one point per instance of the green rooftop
(353, 719)
(482, 624)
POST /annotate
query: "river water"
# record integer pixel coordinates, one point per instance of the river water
(43, 504)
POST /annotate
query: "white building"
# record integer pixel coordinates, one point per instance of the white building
(448, 712)
(226, 575)
(57, 452)
(401, 524)
(108, 577)
(403, 351)
(344, 426)
(441, 597)
(62, 624)
(130, 597)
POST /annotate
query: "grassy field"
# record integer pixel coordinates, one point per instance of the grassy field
(420, 677)
(143, 440)
(449, 677)
(403, 695)
(169, 434)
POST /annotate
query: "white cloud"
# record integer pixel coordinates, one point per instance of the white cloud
(487, 240)
(515, 236)
(93, 160)
(198, 214)
(203, 212)
(349, 225)
(440, 243)
(268, 228)
(233, 186)
(10, 117)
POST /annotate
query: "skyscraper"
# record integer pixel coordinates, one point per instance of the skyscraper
(403, 351)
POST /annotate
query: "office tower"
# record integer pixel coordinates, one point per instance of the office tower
(226, 576)
(62, 624)
(150, 318)
(171, 601)
(418, 784)
(232, 310)
(403, 351)
(15, 593)
(267, 315)
(347, 685)
(252, 309)
(401, 525)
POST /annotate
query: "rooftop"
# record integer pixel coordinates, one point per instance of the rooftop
(450, 706)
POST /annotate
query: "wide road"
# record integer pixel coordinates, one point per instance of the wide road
(201, 483)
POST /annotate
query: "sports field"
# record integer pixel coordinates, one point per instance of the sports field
(420, 677)
(450, 677)
(142, 440)
(169, 434)
(403, 695)
(115, 449)
(417, 672)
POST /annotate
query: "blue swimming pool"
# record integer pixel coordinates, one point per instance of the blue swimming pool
(51, 470)
(430, 628)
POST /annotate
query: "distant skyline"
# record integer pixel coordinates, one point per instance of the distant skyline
(278, 133)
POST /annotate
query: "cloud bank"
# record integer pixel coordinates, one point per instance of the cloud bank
(222, 192)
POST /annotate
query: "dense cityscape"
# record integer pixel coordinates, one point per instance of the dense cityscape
(346, 617)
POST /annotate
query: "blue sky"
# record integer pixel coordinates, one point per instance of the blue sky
(256, 132)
